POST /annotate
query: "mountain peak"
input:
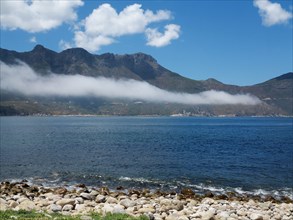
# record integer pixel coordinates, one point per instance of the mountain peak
(39, 47)
(77, 50)
(142, 56)
(78, 54)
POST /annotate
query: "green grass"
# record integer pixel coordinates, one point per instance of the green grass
(29, 215)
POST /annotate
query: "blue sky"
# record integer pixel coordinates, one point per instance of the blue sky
(237, 42)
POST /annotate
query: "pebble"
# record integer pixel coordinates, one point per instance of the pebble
(55, 208)
(155, 206)
(100, 199)
(80, 207)
(112, 200)
(64, 202)
(127, 203)
(67, 208)
(86, 196)
(27, 205)
(118, 209)
(107, 209)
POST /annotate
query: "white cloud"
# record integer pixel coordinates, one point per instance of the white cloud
(37, 15)
(64, 45)
(91, 43)
(157, 39)
(21, 78)
(33, 39)
(272, 13)
(105, 24)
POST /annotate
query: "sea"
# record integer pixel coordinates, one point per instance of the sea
(245, 155)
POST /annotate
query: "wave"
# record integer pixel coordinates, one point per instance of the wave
(155, 184)
(201, 188)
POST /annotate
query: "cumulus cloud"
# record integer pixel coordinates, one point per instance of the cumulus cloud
(64, 45)
(22, 79)
(272, 13)
(157, 39)
(105, 24)
(36, 15)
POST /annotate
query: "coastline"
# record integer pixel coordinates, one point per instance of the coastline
(158, 205)
(155, 116)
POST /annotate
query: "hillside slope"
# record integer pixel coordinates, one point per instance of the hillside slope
(276, 93)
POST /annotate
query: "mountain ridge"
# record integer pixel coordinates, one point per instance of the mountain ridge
(276, 93)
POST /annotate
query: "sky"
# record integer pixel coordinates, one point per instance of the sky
(242, 42)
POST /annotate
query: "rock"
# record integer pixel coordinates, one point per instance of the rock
(146, 210)
(81, 185)
(52, 197)
(179, 207)
(64, 202)
(3, 207)
(16, 197)
(61, 191)
(86, 196)
(100, 199)
(79, 200)
(256, 216)
(107, 209)
(67, 208)
(241, 212)
(165, 202)
(55, 208)
(130, 210)
(208, 201)
(27, 205)
(127, 203)
(43, 202)
(13, 204)
(22, 199)
(80, 207)
(222, 197)
(105, 191)
(94, 193)
(112, 200)
(206, 215)
(209, 194)
(183, 218)
(187, 192)
(120, 188)
(118, 209)
(173, 216)
(287, 217)
(223, 215)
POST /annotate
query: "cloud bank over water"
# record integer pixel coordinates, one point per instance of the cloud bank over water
(22, 79)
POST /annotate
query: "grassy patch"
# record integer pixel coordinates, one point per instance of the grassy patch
(31, 215)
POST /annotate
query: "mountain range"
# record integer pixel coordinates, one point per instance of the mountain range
(275, 94)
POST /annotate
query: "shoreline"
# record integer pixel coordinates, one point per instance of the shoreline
(156, 116)
(158, 205)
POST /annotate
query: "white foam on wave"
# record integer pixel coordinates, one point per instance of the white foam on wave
(287, 192)
(173, 185)
(204, 187)
(139, 179)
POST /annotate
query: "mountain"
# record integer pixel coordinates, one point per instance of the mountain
(276, 93)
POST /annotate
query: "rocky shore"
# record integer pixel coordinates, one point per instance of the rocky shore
(185, 205)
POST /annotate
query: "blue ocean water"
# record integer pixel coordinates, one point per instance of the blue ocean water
(241, 154)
